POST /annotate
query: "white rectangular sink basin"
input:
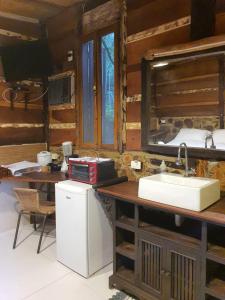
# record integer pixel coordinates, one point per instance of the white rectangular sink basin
(194, 193)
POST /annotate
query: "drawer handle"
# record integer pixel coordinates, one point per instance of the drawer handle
(67, 197)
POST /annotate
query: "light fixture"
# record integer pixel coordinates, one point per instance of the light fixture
(160, 64)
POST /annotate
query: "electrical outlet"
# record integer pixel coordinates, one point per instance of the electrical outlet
(136, 165)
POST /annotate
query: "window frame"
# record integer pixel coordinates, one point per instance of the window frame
(96, 37)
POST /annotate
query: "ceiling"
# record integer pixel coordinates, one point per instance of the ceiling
(21, 19)
(36, 9)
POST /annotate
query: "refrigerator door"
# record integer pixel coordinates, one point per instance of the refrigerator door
(71, 229)
(100, 235)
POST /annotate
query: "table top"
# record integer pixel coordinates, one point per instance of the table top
(128, 191)
(40, 177)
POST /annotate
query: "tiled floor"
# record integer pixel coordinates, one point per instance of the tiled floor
(26, 275)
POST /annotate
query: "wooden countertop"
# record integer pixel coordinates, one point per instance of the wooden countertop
(38, 177)
(128, 191)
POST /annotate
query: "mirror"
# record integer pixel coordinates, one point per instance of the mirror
(183, 102)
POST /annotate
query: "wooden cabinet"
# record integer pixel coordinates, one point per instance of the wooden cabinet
(152, 262)
(156, 260)
(167, 269)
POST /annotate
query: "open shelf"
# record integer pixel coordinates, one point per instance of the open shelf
(216, 288)
(126, 249)
(124, 214)
(170, 235)
(216, 253)
(215, 279)
(125, 268)
(125, 241)
(190, 228)
(126, 274)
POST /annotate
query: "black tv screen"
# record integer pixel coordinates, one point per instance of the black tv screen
(25, 61)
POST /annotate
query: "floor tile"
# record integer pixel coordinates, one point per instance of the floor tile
(27, 275)
(69, 288)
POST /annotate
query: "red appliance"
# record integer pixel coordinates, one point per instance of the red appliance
(91, 170)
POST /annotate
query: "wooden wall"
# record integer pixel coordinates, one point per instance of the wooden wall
(20, 125)
(150, 24)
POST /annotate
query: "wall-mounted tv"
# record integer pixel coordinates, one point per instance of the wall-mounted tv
(27, 60)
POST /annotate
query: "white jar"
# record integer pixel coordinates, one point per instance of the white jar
(44, 158)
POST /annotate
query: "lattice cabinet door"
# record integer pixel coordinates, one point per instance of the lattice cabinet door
(150, 264)
(184, 273)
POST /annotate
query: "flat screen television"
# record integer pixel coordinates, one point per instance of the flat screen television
(27, 60)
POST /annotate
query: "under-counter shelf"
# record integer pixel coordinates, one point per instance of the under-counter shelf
(170, 235)
(125, 268)
(125, 222)
(126, 274)
(216, 288)
(216, 253)
(126, 249)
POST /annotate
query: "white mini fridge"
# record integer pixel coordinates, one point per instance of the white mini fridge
(84, 237)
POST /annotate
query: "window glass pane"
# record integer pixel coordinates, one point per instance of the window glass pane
(108, 82)
(88, 95)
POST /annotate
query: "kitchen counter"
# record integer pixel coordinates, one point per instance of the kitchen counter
(128, 191)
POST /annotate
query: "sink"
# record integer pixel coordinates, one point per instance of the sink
(194, 193)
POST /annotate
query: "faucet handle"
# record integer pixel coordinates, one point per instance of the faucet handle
(178, 162)
(191, 172)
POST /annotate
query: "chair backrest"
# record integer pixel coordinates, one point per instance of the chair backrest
(28, 199)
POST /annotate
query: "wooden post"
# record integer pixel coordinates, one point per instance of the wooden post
(203, 16)
(221, 90)
(45, 96)
(145, 103)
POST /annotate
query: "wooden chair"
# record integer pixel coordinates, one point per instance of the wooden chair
(31, 204)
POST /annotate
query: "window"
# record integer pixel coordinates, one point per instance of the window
(99, 90)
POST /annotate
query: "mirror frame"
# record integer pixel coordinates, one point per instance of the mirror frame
(200, 153)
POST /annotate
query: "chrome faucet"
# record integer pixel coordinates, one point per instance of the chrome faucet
(179, 161)
(210, 137)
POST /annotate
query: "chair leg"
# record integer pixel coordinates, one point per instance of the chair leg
(17, 230)
(42, 232)
(34, 221)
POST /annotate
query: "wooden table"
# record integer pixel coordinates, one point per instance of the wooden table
(37, 177)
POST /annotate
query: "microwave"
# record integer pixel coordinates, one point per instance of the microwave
(91, 170)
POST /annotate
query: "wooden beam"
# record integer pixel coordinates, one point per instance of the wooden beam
(28, 8)
(182, 22)
(100, 17)
(22, 27)
(18, 17)
(203, 17)
(17, 35)
(63, 3)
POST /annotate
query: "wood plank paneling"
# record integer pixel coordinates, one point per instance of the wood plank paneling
(155, 13)
(133, 140)
(64, 116)
(12, 136)
(208, 110)
(12, 154)
(67, 21)
(58, 136)
(133, 83)
(133, 112)
(137, 50)
(19, 115)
